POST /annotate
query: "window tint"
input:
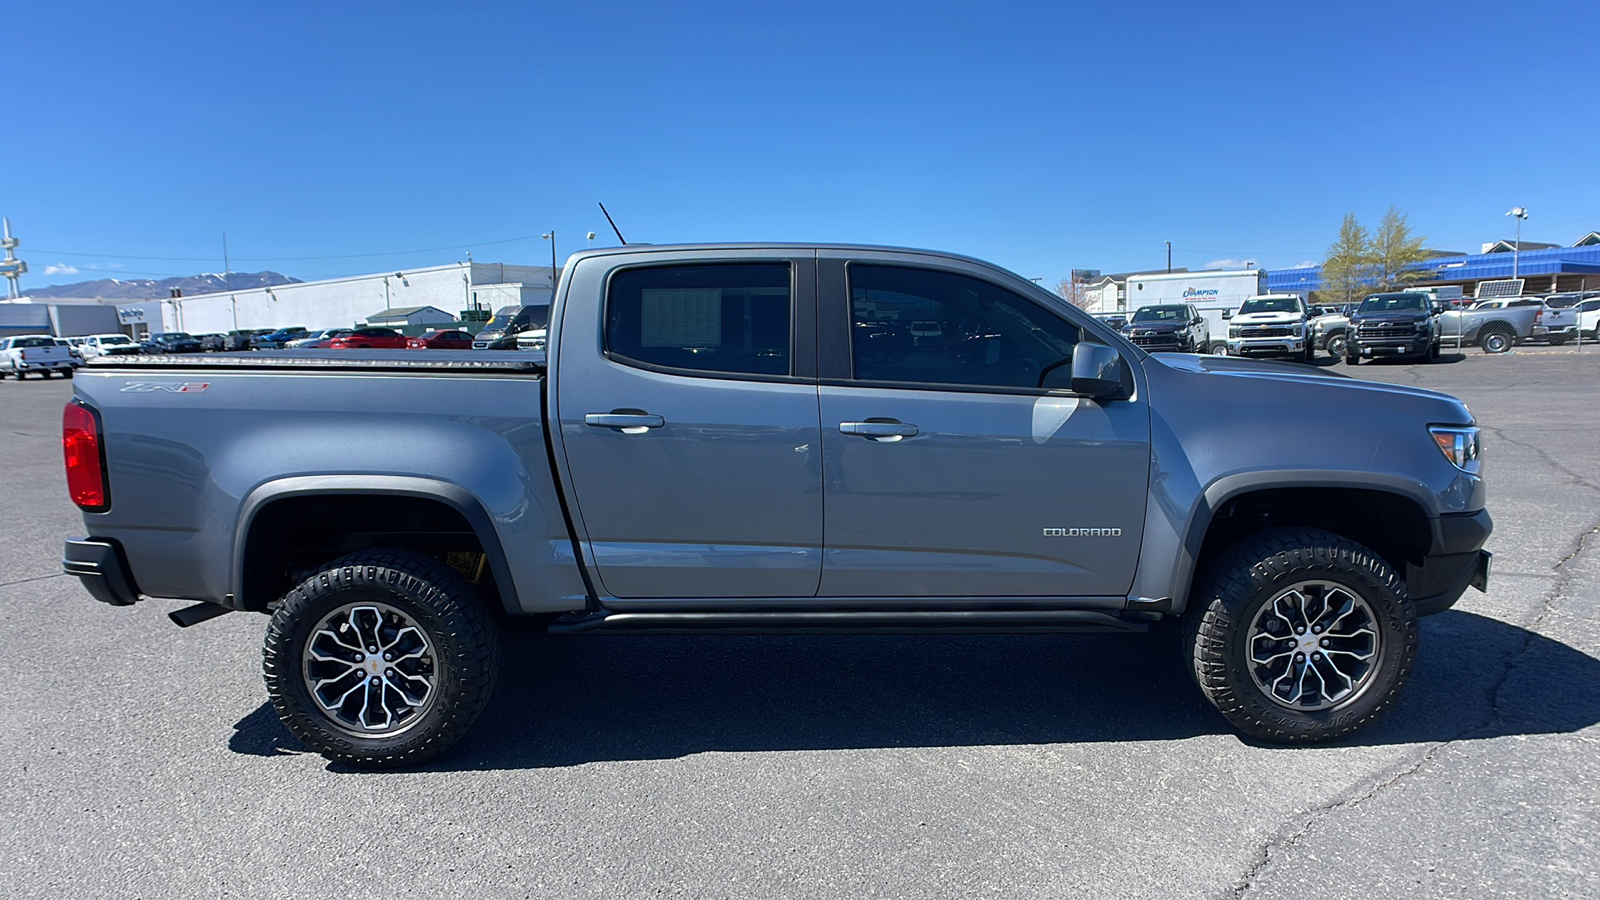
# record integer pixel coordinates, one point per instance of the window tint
(716, 318)
(982, 334)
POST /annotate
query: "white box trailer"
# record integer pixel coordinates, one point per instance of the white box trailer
(1212, 293)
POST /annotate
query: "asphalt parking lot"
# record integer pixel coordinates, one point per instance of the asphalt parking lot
(141, 760)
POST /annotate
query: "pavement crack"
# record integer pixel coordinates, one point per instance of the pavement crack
(1549, 460)
(1291, 835)
(35, 578)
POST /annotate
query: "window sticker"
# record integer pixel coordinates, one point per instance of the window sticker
(681, 317)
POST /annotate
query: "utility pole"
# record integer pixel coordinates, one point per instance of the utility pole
(1169, 257)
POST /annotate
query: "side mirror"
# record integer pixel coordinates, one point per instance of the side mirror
(1196, 320)
(1098, 371)
(1227, 314)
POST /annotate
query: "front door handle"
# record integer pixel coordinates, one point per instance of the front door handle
(883, 430)
(625, 422)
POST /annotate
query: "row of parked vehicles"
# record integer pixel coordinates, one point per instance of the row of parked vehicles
(1398, 324)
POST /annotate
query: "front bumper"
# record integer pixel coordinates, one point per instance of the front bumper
(1455, 562)
(1273, 346)
(1374, 347)
(103, 569)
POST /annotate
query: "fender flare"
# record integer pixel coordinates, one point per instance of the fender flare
(1221, 490)
(452, 495)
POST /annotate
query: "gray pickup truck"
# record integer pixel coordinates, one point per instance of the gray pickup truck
(706, 450)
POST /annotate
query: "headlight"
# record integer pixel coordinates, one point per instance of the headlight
(1233, 332)
(1459, 445)
(1299, 330)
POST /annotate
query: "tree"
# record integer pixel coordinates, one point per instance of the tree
(1347, 271)
(1074, 292)
(1393, 251)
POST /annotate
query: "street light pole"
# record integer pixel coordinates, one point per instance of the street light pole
(551, 237)
(1519, 213)
(1169, 257)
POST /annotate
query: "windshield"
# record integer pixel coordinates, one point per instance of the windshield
(1161, 314)
(1380, 303)
(119, 339)
(522, 317)
(1270, 304)
(173, 336)
(33, 342)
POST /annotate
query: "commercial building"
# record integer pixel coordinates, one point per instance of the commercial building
(342, 302)
(1542, 268)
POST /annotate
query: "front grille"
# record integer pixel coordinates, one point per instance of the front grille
(1261, 331)
(1386, 329)
(1154, 339)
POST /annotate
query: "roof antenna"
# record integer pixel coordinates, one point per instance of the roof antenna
(613, 225)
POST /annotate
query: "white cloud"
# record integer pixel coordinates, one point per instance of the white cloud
(1304, 264)
(62, 269)
(1232, 264)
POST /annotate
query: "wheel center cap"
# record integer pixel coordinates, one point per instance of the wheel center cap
(373, 665)
(1309, 643)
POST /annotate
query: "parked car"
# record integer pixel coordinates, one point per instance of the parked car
(1271, 325)
(96, 345)
(320, 340)
(927, 334)
(441, 340)
(171, 342)
(29, 354)
(1174, 326)
(1328, 325)
(212, 343)
(369, 337)
(240, 339)
(1396, 325)
(1496, 327)
(72, 349)
(1115, 320)
(274, 340)
(665, 468)
(500, 332)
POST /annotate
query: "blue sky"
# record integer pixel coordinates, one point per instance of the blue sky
(1041, 136)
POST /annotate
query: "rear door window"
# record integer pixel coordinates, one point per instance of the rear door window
(732, 318)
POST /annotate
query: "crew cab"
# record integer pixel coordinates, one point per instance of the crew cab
(713, 442)
(1178, 327)
(1398, 325)
(1271, 325)
(29, 354)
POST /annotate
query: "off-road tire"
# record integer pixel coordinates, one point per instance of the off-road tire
(1231, 594)
(438, 601)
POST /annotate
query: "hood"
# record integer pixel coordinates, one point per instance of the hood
(1261, 318)
(1321, 383)
(1395, 316)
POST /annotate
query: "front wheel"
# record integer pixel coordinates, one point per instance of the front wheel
(1301, 636)
(382, 659)
(1336, 344)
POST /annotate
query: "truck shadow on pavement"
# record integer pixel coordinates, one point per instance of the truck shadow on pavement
(568, 701)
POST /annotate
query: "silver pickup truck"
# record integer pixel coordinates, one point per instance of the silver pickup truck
(718, 443)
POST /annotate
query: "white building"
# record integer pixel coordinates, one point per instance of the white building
(343, 302)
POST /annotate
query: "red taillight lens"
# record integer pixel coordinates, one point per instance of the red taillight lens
(86, 470)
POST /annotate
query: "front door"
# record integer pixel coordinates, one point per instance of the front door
(687, 405)
(949, 470)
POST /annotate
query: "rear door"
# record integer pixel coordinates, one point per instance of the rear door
(949, 471)
(686, 398)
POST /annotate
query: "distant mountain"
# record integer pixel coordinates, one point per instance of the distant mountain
(150, 289)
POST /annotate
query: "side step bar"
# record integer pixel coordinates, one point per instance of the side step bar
(842, 622)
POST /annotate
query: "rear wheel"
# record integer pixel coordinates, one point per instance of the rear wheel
(1301, 636)
(382, 659)
(1336, 344)
(1495, 342)
(1219, 348)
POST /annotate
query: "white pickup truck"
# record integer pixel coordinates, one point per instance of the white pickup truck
(28, 353)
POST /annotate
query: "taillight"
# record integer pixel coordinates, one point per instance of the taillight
(86, 462)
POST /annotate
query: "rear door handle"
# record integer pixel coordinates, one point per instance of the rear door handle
(627, 423)
(888, 430)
